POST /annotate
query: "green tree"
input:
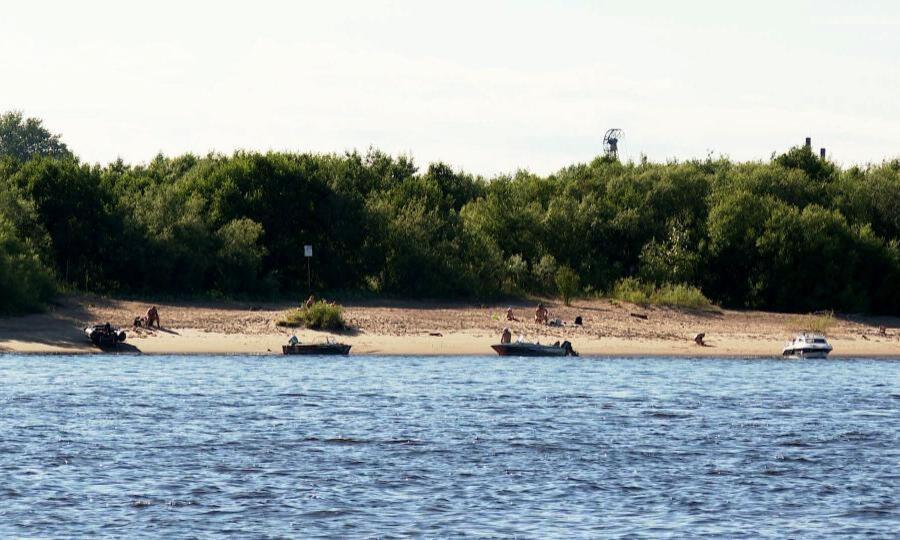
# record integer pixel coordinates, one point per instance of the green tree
(674, 260)
(794, 233)
(240, 255)
(516, 273)
(803, 158)
(567, 283)
(25, 283)
(76, 212)
(545, 273)
(23, 138)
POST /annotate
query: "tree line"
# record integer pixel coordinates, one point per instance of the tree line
(794, 233)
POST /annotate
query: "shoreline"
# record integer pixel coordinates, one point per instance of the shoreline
(604, 356)
(419, 328)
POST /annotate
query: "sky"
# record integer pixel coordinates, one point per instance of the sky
(488, 87)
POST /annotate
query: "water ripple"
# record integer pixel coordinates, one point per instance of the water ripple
(150, 447)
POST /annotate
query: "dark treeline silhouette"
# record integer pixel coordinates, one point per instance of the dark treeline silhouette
(796, 233)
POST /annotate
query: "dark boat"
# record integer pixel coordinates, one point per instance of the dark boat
(317, 348)
(534, 349)
(105, 336)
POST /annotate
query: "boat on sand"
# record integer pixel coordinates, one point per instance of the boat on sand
(328, 348)
(813, 346)
(104, 335)
(522, 348)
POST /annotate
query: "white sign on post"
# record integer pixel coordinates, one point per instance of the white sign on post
(307, 252)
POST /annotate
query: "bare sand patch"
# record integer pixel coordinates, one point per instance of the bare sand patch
(439, 328)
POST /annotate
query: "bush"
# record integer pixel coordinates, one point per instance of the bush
(672, 295)
(568, 283)
(631, 290)
(319, 316)
(680, 295)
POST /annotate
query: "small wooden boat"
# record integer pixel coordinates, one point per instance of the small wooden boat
(534, 349)
(105, 336)
(333, 349)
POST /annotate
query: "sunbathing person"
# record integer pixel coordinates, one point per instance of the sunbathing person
(509, 315)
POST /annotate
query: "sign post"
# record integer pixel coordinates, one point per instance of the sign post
(307, 252)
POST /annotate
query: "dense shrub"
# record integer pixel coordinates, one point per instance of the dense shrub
(320, 316)
(672, 295)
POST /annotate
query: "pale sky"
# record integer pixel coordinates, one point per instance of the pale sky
(488, 87)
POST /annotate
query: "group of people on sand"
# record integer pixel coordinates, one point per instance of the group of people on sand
(541, 316)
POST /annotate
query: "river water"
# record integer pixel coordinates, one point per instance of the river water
(262, 447)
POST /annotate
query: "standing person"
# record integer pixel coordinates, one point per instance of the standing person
(152, 315)
(506, 336)
(541, 315)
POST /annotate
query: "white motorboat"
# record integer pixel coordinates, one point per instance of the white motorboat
(807, 346)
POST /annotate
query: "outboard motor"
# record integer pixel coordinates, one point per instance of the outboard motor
(568, 348)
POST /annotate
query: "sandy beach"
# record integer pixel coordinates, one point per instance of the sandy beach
(392, 327)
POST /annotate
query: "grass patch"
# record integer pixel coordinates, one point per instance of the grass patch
(677, 295)
(319, 316)
(816, 323)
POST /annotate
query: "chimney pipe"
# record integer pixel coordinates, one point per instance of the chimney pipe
(822, 153)
(808, 142)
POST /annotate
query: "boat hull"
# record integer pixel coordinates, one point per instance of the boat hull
(329, 349)
(531, 350)
(809, 354)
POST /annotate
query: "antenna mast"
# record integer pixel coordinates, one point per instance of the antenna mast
(611, 141)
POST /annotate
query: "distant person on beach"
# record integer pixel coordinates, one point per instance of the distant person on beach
(541, 315)
(509, 315)
(310, 301)
(152, 315)
(506, 336)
